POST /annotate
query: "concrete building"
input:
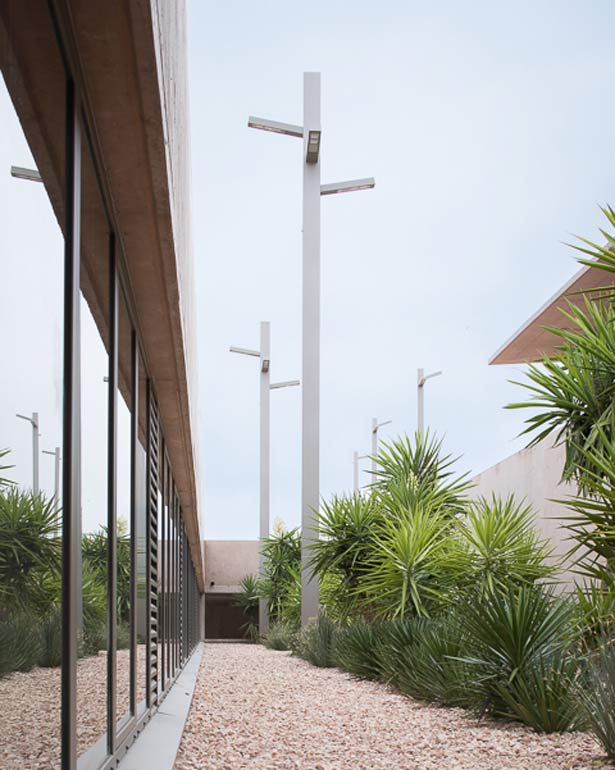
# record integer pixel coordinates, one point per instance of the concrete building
(227, 562)
(97, 292)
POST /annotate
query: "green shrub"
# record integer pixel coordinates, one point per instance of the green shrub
(247, 600)
(431, 669)
(356, 650)
(280, 636)
(20, 644)
(545, 694)
(392, 639)
(50, 654)
(316, 642)
(510, 635)
(599, 697)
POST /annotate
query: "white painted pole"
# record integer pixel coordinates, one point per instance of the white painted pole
(56, 480)
(355, 468)
(265, 393)
(35, 454)
(420, 406)
(374, 446)
(310, 419)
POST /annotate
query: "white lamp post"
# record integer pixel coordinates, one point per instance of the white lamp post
(265, 388)
(421, 379)
(355, 467)
(56, 478)
(35, 453)
(375, 428)
(311, 134)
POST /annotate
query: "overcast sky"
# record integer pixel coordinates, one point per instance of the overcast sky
(488, 127)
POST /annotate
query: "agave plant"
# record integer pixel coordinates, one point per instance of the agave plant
(509, 635)
(500, 547)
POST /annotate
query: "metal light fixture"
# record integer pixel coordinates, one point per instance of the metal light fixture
(263, 124)
(313, 146)
(351, 186)
(30, 174)
(421, 379)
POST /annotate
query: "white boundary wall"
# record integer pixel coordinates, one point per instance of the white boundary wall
(534, 474)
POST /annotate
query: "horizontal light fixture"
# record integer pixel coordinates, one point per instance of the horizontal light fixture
(352, 186)
(277, 128)
(245, 352)
(313, 145)
(265, 366)
(287, 384)
(31, 174)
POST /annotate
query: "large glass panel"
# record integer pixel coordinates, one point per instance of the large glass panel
(124, 527)
(95, 348)
(32, 120)
(141, 514)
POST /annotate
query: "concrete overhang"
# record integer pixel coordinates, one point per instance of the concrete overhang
(533, 342)
(139, 129)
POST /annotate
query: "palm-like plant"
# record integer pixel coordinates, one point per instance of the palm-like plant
(416, 466)
(500, 547)
(5, 482)
(412, 567)
(29, 548)
(247, 601)
(347, 527)
(282, 583)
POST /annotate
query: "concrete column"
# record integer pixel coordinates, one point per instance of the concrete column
(265, 392)
(310, 450)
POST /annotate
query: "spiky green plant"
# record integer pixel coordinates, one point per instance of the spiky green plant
(247, 600)
(500, 547)
(509, 634)
(3, 481)
(412, 568)
(416, 465)
(316, 642)
(356, 650)
(280, 636)
(599, 697)
(347, 527)
(20, 643)
(431, 668)
(282, 583)
(29, 549)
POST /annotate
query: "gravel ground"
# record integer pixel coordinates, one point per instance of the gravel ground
(30, 710)
(256, 709)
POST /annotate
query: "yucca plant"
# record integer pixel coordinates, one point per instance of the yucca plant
(347, 527)
(247, 600)
(508, 635)
(417, 464)
(500, 547)
(282, 583)
(20, 643)
(316, 642)
(3, 481)
(412, 568)
(29, 549)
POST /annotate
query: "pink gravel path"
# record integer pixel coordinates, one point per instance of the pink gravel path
(256, 709)
(30, 710)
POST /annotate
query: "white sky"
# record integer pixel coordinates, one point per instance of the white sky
(488, 128)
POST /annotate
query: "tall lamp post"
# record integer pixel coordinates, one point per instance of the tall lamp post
(56, 478)
(355, 469)
(35, 453)
(265, 388)
(421, 379)
(311, 133)
(375, 428)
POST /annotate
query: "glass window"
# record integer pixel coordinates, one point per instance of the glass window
(32, 123)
